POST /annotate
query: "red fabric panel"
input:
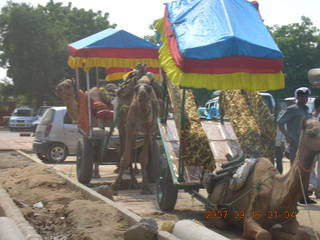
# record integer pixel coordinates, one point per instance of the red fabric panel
(106, 115)
(232, 65)
(219, 65)
(113, 52)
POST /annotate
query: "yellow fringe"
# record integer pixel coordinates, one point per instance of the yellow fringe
(87, 63)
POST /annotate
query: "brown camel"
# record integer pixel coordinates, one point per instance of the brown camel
(140, 116)
(124, 98)
(65, 91)
(266, 205)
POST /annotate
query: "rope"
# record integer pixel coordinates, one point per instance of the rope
(305, 201)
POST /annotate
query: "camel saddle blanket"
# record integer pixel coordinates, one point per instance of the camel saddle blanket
(240, 176)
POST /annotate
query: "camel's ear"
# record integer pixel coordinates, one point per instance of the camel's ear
(304, 124)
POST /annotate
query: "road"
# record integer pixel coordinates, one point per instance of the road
(145, 205)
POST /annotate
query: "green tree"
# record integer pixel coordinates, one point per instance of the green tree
(300, 45)
(33, 44)
(155, 38)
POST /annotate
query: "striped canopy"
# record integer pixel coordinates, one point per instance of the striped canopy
(219, 44)
(112, 48)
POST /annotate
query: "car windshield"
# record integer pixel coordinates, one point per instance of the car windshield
(42, 110)
(292, 101)
(47, 117)
(23, 113)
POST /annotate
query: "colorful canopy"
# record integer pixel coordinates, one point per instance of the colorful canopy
(219, 44)
(112, 48)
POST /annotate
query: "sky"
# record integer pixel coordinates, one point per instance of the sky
(136, 16)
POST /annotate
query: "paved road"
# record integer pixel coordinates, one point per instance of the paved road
(13, 140)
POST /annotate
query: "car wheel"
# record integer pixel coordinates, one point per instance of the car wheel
(57, 153)
(42, 157)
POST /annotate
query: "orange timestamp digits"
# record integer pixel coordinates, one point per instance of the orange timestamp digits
(241, 214)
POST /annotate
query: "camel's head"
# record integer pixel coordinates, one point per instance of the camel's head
(143, 89)
(311, 135)
(65, 89)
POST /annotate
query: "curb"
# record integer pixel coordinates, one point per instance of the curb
(13, 212)
(93, 195)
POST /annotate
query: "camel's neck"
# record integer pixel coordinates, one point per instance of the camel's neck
(290, 190)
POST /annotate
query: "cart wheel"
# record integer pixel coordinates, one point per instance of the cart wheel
(167, 193)
(154, 166)
(84, 160)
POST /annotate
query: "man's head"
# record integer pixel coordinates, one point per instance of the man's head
(302, 94)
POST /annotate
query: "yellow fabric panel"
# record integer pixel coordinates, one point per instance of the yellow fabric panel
(119, 76)
(240, 80)
(87, 63)
(115, 76)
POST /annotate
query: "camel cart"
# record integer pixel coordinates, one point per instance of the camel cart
(110, 49)
(222, 55)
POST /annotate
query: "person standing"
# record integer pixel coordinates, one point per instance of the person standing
(290, 122)
(290, 125)
(314, 183)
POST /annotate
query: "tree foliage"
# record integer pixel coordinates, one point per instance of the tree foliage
(300, 45)
(155, 37)
(33, 44)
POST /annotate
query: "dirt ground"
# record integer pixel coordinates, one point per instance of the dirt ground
(66, 213)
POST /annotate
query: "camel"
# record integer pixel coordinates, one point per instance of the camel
(139, 106)
(267, 204)
(65, 90)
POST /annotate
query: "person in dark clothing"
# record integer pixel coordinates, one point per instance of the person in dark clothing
(290, 124)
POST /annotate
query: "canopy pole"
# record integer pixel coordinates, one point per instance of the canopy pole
(89, 104)
(77, 79)
(181, 147)
(97, 76)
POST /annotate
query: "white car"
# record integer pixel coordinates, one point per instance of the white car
(291, 100)
(38, 116)
(21, 118)
(266, 97)
(55, 137)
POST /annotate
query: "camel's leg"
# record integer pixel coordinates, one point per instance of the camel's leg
(252, 229)
(145, 161)
(133, 183)
(126, 160)
(122, 138)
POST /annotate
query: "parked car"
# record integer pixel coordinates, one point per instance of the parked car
(291, 100)
(38, 116)
(21, 118)
(55, 137)
(212, 105)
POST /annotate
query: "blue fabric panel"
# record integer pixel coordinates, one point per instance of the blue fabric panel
(112, 38)
(207, 29)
